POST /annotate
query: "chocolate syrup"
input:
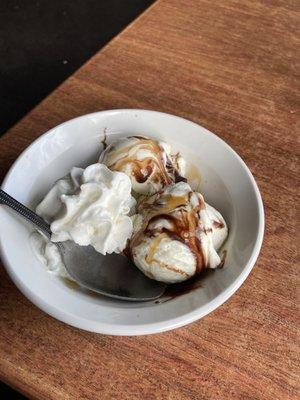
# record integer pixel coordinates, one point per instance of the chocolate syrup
(183, 221)
(218, 224)
(178, 289)
(142, 174)
(104, 140)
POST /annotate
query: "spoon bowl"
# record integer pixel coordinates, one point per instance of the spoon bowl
(111, 275)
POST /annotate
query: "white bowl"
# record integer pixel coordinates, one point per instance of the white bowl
(226, 183)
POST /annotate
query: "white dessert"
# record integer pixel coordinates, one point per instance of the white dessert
(219, 227)
(173, 235)
(176, 234)
(90, 207)
(48, 253)
(147, 162)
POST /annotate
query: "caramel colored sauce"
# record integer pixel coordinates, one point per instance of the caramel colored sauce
(193, 176)
(70, 283)
(172, 202)
(183, 221)
(170, 267)
(153, 166)
(154, 245)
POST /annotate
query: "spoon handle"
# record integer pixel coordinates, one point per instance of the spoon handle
(25, 212)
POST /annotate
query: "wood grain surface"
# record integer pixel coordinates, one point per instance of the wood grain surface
(233, 67)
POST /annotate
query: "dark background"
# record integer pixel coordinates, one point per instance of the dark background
(44, 42)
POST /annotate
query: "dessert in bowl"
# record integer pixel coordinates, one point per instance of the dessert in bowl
(166, 229)
(226, 184)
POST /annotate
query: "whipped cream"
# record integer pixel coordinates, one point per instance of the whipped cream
(147, 162)
(48, 253)
(176, 234)
(90, 207)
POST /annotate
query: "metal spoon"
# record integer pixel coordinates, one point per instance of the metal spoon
(112, 275)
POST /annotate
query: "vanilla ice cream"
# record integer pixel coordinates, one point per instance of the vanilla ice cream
(147, 162)
(176, 235)
(90, 207)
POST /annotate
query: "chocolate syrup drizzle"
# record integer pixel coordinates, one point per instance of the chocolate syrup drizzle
(183, 222)
(159, 166)
(183, 218)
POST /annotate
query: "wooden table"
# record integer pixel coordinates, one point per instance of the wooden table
(230, 66)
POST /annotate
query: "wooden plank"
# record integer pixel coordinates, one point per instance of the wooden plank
(233, 67)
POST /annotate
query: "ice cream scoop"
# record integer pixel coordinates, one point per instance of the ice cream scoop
(148, 163)
(174, 234)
